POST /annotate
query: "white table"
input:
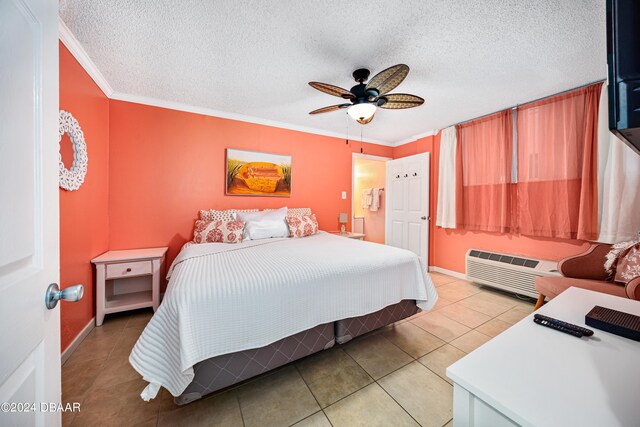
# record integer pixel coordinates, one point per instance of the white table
(531, 375)
(128, 280)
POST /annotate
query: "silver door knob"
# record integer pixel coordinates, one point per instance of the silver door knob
(54, 294)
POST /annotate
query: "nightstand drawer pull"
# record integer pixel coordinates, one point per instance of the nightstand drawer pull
(129, 269)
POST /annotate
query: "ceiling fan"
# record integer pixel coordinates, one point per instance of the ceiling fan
(366, 97)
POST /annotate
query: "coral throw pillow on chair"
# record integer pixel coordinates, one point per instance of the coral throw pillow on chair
(302, 226)
(628, 266)
(218, 231)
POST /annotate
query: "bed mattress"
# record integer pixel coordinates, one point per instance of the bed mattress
(225, 298)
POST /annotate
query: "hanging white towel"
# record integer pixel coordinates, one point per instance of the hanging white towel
(366, 198)
(446, 210)
(375, 200)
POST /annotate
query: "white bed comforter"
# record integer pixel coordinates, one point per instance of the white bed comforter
(225, 298)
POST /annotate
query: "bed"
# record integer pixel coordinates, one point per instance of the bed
(233, 311)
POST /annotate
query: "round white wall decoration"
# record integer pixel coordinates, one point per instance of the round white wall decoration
(72, 179)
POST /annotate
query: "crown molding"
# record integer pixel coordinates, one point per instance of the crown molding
(76, 49)
(137, 99)
(415, 137)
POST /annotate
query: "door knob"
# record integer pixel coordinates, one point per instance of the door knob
(424, 218)
(54, 294)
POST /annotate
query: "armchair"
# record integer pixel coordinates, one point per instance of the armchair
(585, 271)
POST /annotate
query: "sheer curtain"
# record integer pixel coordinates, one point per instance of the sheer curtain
(486, 147)
(618, 183)
(557, 165)
(446, 209)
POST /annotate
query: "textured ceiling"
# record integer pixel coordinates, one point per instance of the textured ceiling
(255, 58)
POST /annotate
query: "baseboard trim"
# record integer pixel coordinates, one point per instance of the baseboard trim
(77, 340)
(455, 274)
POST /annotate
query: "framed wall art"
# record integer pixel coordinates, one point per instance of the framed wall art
(252, 173)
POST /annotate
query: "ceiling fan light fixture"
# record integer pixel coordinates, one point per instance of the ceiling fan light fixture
(367, 98)
(362, 113)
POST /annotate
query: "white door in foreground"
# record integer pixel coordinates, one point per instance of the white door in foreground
(29, 241)
(408, 204)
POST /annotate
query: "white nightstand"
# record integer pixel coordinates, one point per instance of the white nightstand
(349, 235)
(127, 280)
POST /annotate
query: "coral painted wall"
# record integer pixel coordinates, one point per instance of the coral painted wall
(84, 219)
(370, 173)
(165, 165)
(447, 248)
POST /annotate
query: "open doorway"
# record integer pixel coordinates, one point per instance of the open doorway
(368, 204)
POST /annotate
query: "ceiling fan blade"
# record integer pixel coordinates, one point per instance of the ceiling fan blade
(330, 108)
(388, 79)
(332, 90)
(397, 101)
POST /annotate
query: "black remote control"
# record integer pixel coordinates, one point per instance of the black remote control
(557, 327)
(584, 331)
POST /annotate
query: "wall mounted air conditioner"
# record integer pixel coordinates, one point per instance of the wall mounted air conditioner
(508, 272)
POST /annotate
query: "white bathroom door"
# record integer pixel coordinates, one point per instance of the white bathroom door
(408, 204)
(29, 230)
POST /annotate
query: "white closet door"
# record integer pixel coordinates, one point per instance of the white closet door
(408, 204)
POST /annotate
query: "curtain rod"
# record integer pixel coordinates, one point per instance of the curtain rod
(528, 102)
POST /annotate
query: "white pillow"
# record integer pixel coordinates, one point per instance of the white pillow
(264, 225)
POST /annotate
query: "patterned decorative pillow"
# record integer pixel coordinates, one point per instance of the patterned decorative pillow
(302, 226)
(298, 212)
(225, 215)
(628, 266)
(218, 231)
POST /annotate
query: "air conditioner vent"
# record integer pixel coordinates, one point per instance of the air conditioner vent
(507, 271)
(507, 259)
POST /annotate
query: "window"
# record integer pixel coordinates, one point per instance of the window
(557, 190)
(533, 171)
(487, 155)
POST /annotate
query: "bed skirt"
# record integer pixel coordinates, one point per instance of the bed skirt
(228, 369)
(348, 329)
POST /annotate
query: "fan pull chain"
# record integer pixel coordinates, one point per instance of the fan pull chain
(361, 126)
(347, 114)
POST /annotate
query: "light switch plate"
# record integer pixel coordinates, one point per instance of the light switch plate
(344, 195)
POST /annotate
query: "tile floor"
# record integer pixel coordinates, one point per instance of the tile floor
(391, 377)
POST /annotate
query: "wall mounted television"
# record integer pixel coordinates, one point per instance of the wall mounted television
(623, 59)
